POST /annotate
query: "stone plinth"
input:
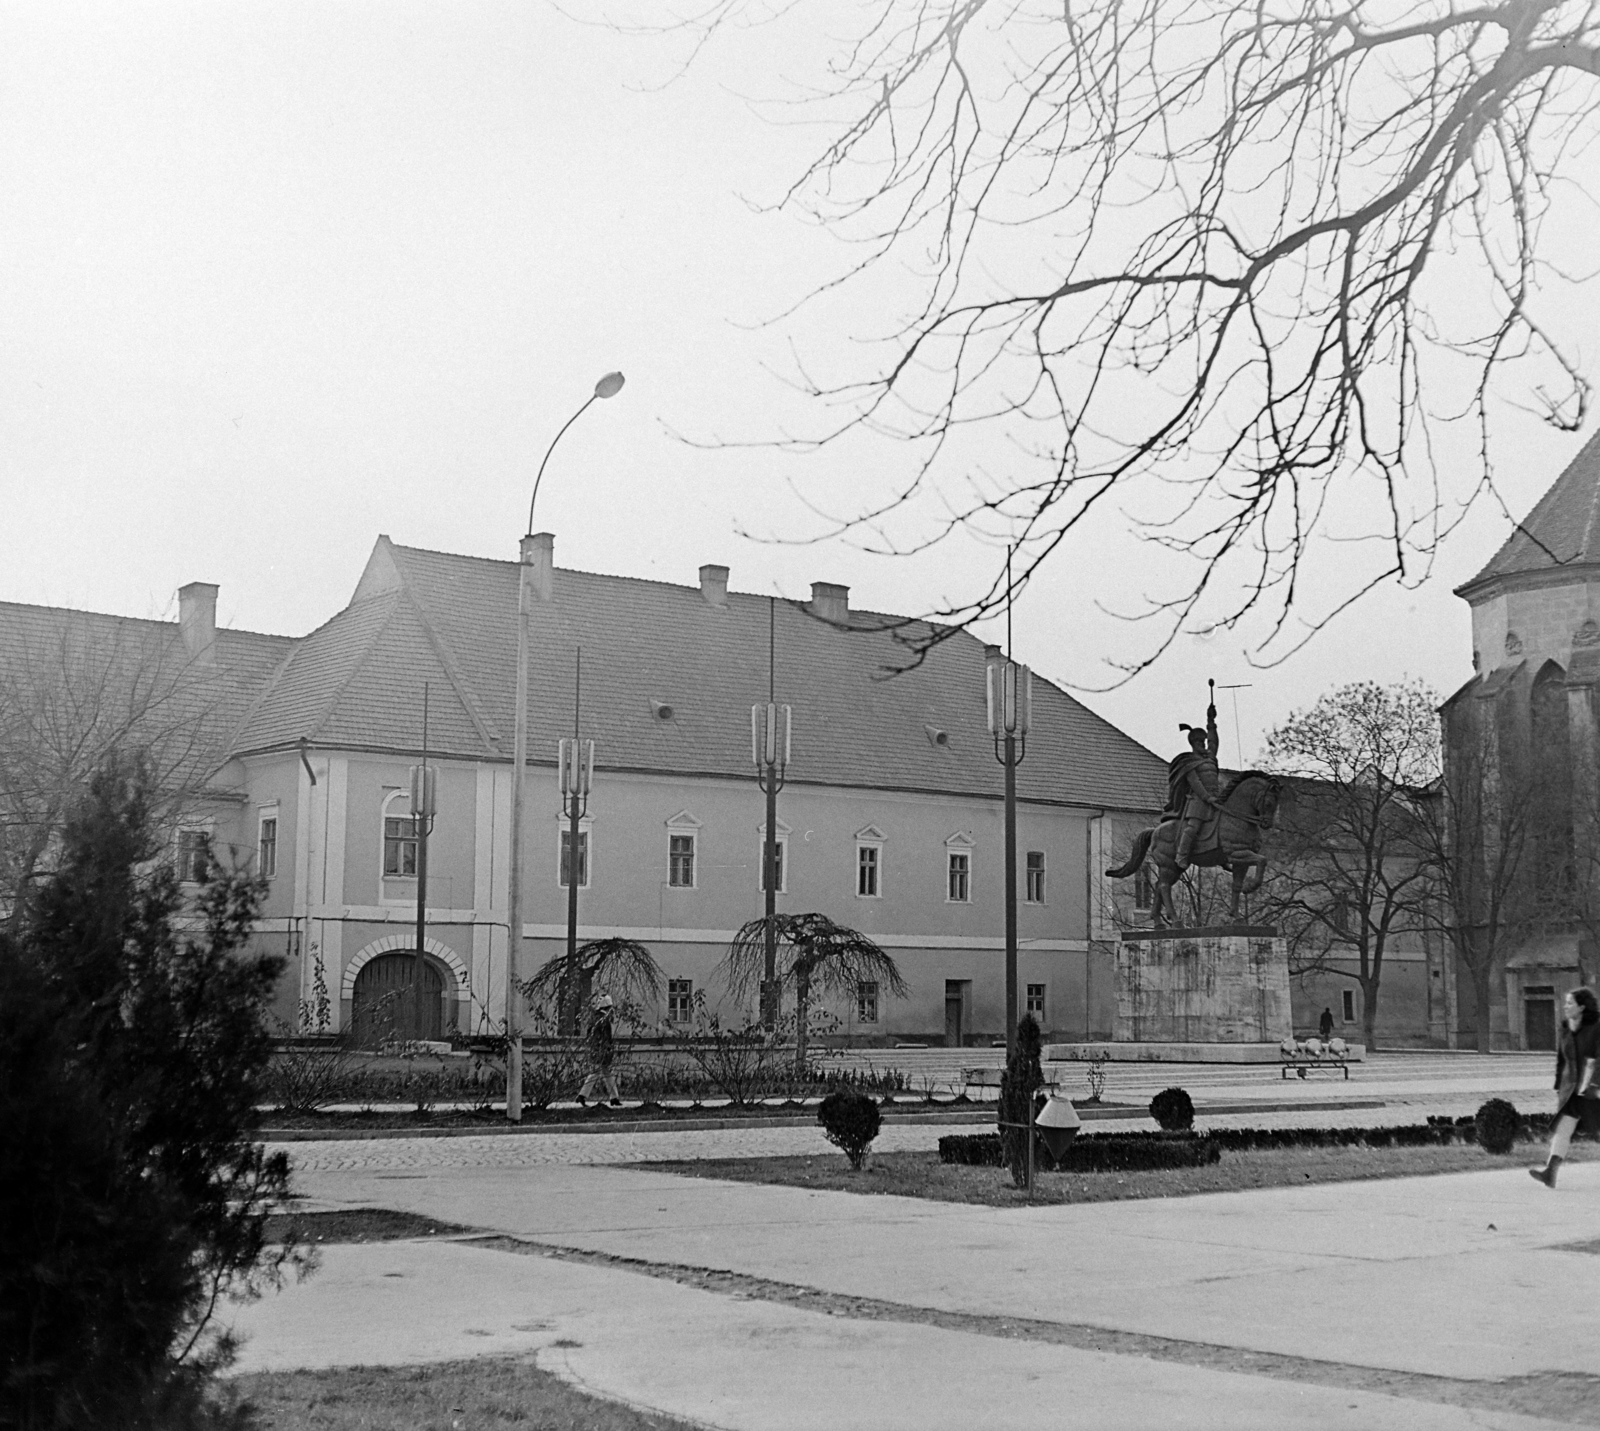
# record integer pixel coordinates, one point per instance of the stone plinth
(1219, 994)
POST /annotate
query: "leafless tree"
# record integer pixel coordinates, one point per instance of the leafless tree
(77, 689)
(1483, 834)
(813, 953)
(1230, 267)
(622, 967)
(1352, 862)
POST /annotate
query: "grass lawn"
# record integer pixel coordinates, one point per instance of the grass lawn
(923, 1175)
(446, 1396)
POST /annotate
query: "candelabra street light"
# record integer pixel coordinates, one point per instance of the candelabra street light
(608, 386)
(771, 733)
(1010, 714)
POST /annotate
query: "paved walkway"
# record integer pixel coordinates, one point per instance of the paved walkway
(1438, 1302)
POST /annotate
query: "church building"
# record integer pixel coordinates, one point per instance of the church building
(1520, 755)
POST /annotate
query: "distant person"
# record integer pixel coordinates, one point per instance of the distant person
(1576, 1073)
(1325, 1025)
(601, 1043)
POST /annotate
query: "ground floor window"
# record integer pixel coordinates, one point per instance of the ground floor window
(1349, 1006)
(680, 1000)
(867, 1001)
(1036, 1001)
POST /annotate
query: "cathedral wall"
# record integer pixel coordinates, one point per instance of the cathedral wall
(1532, 624)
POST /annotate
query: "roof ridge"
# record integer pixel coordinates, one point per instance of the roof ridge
(458, 684)
(172, 625)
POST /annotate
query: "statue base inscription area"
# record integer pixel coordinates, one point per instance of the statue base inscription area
(1211, 995)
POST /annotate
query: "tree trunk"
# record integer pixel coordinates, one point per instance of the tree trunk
(1369, 1013)
(802, 1010)
(1480, 991)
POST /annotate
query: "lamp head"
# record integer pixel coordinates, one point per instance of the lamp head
(609, 386)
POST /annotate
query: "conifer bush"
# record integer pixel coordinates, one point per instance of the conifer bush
(1021, 1081)
(1173, 1109)
(1497, 1124)
(850, 1120)
(133, 1195)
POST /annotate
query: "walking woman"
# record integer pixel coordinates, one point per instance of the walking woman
(1575, 1072)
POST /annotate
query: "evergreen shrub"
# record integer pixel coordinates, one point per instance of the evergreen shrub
(1173, 1109)
(850, 1120)
(1497, 1124)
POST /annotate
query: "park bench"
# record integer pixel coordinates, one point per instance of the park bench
(1313, 1056)
(979, 1078)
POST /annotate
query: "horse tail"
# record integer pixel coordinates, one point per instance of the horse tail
(1141, 847)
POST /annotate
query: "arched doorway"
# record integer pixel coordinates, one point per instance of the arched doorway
(382, 1005)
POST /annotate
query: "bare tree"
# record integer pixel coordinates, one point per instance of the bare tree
(814, 953)
(76, 691)
(623, 967)
(1482, 828)
(1200, 257)
(1353, 863)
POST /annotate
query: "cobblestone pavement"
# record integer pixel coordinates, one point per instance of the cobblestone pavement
(1411, 1087)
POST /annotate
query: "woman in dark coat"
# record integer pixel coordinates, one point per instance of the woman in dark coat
(1580, 1044)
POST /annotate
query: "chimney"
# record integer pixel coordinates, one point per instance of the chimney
(830, 601)
(714, 584)
(539, 561)
(991, 654)
(197, 620)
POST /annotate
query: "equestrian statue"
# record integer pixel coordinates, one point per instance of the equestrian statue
(1206, 823)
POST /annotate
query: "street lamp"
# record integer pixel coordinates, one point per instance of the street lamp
(608, 386)
(771, 734)
(1010, 714)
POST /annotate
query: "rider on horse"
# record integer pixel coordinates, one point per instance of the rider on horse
(1192, 785)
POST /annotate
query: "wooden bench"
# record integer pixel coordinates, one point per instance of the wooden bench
(1312, 1056)
(972, 1078)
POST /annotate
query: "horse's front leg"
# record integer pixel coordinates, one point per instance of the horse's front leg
(1258, 873)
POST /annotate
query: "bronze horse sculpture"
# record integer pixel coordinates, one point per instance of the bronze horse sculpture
(1231, 838)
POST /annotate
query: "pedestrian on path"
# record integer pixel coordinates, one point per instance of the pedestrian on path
(1576, 1073)
(602, 1047)
(1326, 1025)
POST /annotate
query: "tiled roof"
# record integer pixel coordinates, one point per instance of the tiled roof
(1562, 530)
(451, 620)
(118, 679)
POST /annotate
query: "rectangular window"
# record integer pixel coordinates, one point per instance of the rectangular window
(680, 861)
(399, 846)
(781, 852)
(1144, 888)
(960, 876)
(566, 859)
(867, 871)
(867, 1001)
(267, 856)
(1035, 885)
(1349, 1006)
(1036, 1001)
(194, 855)
(680, 1000)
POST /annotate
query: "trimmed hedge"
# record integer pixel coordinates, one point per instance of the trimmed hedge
(1106, 1153)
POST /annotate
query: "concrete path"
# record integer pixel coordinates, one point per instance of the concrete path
(1448, 1301)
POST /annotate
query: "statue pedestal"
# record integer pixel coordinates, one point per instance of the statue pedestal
(1213, 995)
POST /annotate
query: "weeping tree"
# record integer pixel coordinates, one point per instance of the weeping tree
(814, 954)
(625, 968)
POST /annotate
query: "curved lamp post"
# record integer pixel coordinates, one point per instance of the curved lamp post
(608, 386)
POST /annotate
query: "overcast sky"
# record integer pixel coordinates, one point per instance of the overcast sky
(278, 278)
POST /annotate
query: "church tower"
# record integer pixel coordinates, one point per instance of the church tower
(1520, 753)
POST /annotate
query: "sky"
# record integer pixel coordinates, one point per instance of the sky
(276, 279)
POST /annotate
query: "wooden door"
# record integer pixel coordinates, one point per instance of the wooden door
(383, 1007)
(1539, 1023)
(954, 1010)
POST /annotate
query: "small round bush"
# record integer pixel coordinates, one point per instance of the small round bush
(1497, 1125)
(1173, 1109)
(851, 1120)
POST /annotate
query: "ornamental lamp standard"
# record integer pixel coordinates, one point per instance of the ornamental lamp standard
(1009, 700)
(608, 386)
(771, 733)
(575, 762)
